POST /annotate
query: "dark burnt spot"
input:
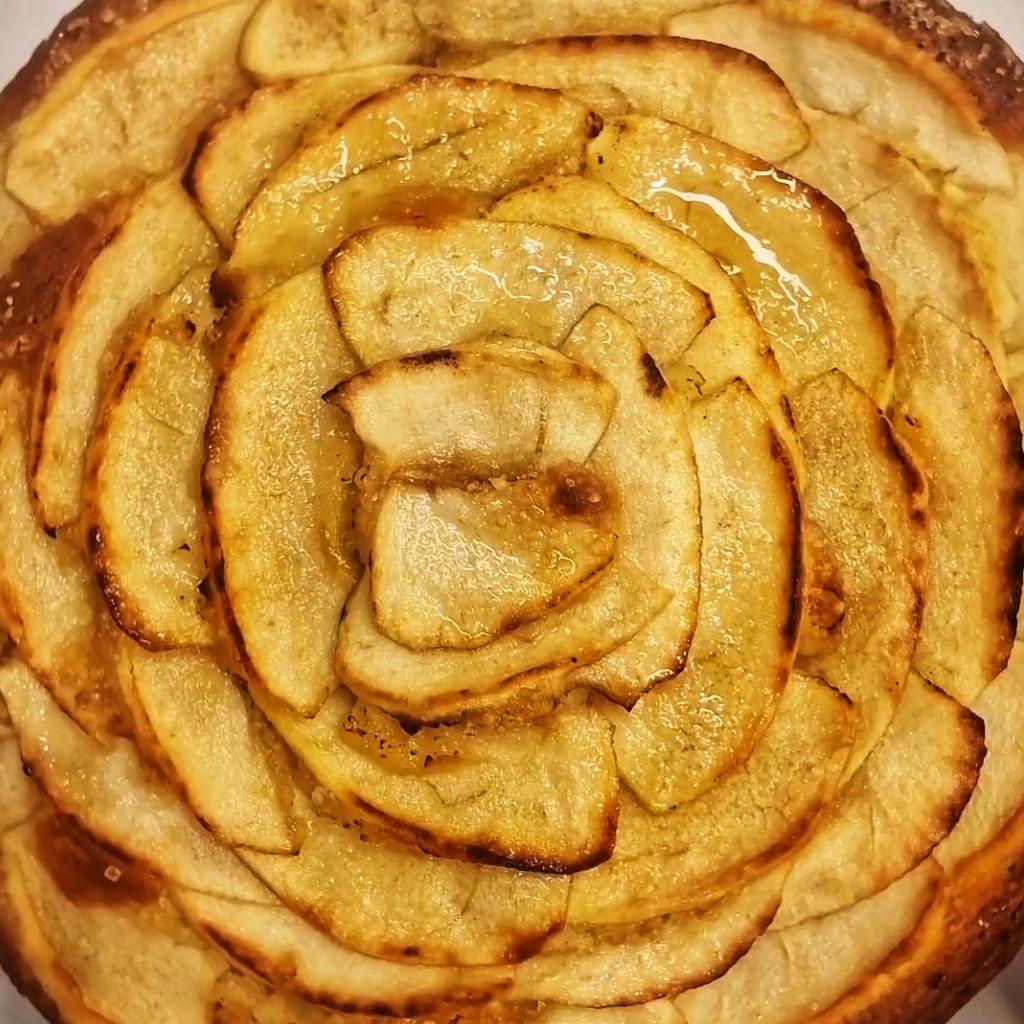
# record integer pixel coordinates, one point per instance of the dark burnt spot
(594, 124)
(436, 356)
(226, 287)
(579, 493)
(86, 873)
(654, 382)
(411, 951)
(525, 947)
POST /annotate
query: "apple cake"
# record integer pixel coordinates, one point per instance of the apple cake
(511, 512)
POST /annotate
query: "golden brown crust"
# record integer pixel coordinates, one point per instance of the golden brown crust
(983, 62)
(77, 33)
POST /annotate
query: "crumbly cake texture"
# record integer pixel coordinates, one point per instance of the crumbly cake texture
(974, 925)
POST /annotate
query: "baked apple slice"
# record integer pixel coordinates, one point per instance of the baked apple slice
(434, 144)
(956, 415)
(796, 255)
(485, 409)
(143, 513)
(457, 567)
(866, 513)
(689, 730)
(102, 128)
(756, 816)
(397, 286)
(647, 452)
(161, 238)
(236, 154)
(290, 39)
(276, 487)
(714, 89)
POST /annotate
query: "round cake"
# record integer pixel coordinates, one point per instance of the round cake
(511, 512)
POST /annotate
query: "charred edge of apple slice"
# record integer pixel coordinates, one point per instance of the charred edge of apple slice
(797, 573)
(972, 727)
(491, 853)
(1013, 502)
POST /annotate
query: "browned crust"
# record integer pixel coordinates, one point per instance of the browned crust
(983, 62)
(972, 932)
(77, 33)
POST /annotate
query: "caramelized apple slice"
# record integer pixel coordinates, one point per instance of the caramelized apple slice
(127, 111)
(161, 239)
(733, 343)
(598, 618)
(221, 755)
(483, 410)
(538, 796)
(903, 800)
(456, 567)
(647, 452)
(277, 482)
(434, 143)
(290, 39)
(236, 154)
(713, 89)
(756, 815)
(686, 732)
(797, 256)
(955, 413)
(142, 508)
(400, 286)
(396, 903)
(865, 503)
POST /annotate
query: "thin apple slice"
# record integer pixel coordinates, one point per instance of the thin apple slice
(757, 815)
(237, 153)
(845, 62)
(615, 965)
(866, 512)
(714, 89)
(480, 411)
(49, 603)
(433, 144)
(128, 112)
(123, 944)
(686, 732)
(220, 750)
(290, 39)
(733, 343)
(142, 511)
(400, 286)
(904, 799)
(456, 567)
(598, 618)
(647, 440)
(109, 792)
(398, 904)
(276, 484)
(160, 240)
(538, 796)
(16, 227)
(790, 975)
(960, 422)
(795, 252)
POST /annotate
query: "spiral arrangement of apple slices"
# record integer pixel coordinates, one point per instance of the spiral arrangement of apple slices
(525, 537)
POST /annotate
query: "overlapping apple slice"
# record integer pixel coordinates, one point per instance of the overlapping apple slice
(711, 88)
(276, 484)
(291, 39)
(731, 345)
(161, 238)
(953, 410)
(432, 145)
(795, 253)
(866, 509)
(102, 128)
(647, 452)
(142, 510)
(462, 279)
(756, 815)
(481, 410)
(686, 732)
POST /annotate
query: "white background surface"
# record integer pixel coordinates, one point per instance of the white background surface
(23, 23)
